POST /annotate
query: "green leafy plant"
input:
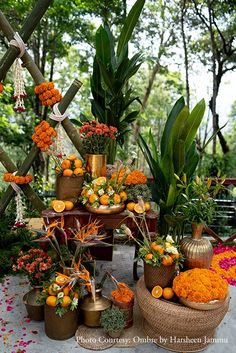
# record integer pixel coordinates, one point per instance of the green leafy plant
(177, 156)
(135, 192)
(111, 73)
(112, 320)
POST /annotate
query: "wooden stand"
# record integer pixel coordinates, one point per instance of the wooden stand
(110, 222)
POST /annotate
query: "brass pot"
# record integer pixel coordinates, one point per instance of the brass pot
(198, 251)
(60, 328)
(69, 188)
(35, 311)
(92, 309)
(96, 164)
(158, 275)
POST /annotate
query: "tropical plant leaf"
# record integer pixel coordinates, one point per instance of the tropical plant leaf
(103, 47)
(153, 146)
(129, 24)
(107, 76)
(192, 159)
(131, 116)
(179, 156)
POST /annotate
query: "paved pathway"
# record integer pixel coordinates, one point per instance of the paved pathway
(20, 335)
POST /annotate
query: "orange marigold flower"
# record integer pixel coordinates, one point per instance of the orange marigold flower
(136, 177)
(1, 87)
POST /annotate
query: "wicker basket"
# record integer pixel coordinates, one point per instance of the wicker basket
(176, 327)
(158, 275)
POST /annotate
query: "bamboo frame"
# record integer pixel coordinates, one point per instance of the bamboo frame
(5, 64)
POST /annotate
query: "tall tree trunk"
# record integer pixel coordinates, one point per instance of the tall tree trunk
(186, 62)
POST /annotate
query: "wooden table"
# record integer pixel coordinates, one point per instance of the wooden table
(109, 222)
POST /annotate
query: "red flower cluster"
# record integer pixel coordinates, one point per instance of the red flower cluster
(36, 264)
(96, 136)
(18, 179)
(48, 94)
(1, 87)
(43, 136)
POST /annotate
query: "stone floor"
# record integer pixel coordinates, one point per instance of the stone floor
(20, 335)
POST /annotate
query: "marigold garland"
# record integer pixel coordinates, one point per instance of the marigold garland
(43, 136)
(17, 179)
(48, 95)
(1, 87)
(200, 285)
(136, 177)
(224, 263)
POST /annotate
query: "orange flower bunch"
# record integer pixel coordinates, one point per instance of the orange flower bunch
(200, 285)
(136, 177)
(120, 175)
(43, 135)
(123, 293)
(18, 179)
(47, 93)
(1, 87)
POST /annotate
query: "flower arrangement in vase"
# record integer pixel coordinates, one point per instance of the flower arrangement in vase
(159, 254)
(103, 195)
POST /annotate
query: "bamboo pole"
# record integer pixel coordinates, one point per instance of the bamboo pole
(30, 24)
(28, 191)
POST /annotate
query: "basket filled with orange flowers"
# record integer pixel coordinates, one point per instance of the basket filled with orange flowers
(70, 178)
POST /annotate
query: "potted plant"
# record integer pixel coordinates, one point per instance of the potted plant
(159, 254)
(113, 322)
(112, 69)
(198, 209)
(38, 267)
(177, 156)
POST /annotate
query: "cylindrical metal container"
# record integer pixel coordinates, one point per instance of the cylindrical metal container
(198, 251)
(34, 309)
(92, 309)
(60, 327)
(96, 164)
(127, 309)
(158, 275)
(69, 188)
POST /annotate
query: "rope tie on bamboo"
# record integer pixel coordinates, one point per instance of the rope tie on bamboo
(17, 41)
(56, 114)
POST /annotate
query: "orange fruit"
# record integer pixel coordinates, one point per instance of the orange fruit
(61, 280)
(123, 196)
(138, 208)
(104, 200)
(68, 172)
(84, 193)
(157, 247)
(100, 181)
(149, 256)
(117, 199)
(167, 260)
(66, 164)
(76, 295)
(66, 290)
(175, 256)
(52, 290)
(168, 293)
(147, 206)
(65, 301)
(52, 203)
(93, 198)
(78, 163)
(78, 171)
(58, 206)
(51, 300)
(130, 206)
(68, 205)
(72, 157)
(157, 292)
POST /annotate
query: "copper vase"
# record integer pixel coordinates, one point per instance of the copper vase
(96, 165)
(198, 251)
(34, 309)
(92, 309)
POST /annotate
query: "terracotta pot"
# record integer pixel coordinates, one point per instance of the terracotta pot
(158, 275)
(115, 334)
(60, 328)
(69, 188)
(92, 309)
(96, 164)
(35, 311)
(198, 251)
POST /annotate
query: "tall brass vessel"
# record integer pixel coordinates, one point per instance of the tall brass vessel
(92, 309)
(198, 251)
(96, 164)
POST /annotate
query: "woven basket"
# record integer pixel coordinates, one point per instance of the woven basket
(176, 327)
(158, 275)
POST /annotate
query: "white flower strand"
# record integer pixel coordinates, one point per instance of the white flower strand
(19, 209)
(57, 116)
(19, 87)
